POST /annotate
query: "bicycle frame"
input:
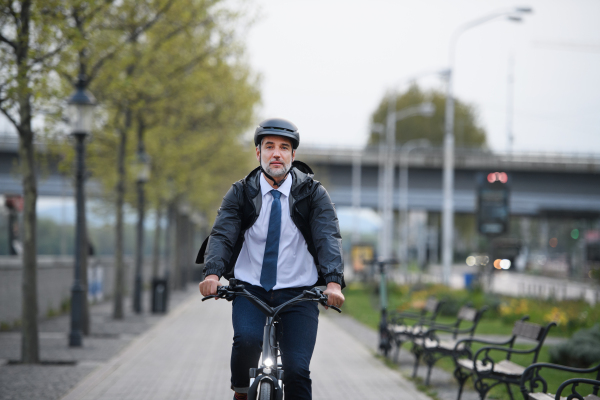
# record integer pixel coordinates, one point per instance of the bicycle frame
(269, 369)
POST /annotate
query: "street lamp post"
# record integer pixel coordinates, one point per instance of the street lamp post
(448, 184)
(403, 185)
(143, 167)
(81, 105)
(424, 109)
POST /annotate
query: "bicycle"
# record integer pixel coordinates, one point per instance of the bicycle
(266, 381)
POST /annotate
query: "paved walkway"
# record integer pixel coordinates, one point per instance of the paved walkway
(186, 356)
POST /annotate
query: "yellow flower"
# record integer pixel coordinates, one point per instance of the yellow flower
(522, 307)
(556, 315)
(505, 309)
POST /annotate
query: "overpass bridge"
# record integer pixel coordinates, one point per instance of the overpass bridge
(50, 181)
(541, 183)
(550, 184)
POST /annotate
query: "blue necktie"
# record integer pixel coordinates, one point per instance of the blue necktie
(268, 275)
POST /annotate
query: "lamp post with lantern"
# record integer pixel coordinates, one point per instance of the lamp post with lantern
(81, 109)
(143, 175)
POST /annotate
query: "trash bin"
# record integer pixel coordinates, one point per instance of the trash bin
(469, 281)
(159, 295)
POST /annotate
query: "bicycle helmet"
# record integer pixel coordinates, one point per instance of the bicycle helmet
(277, 127)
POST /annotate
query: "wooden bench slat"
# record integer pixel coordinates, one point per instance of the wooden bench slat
(407, 329)
(467, 314)
(527, 330)
(432, 304)
(540, 396)
(504, 367)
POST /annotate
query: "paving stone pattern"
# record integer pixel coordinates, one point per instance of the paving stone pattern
(186, 356)
(442, 383)
(52, 381)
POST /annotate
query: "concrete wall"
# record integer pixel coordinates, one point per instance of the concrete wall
(54, 281)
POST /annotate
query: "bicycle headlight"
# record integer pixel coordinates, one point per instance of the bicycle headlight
(268, 362)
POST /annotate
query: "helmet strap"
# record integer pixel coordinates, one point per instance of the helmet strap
(269, 176)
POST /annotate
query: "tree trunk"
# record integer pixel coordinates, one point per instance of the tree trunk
(177, 256)
(156, 245)
(171, 245)
(120, 188)
(29, 339)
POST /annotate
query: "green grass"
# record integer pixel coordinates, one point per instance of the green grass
(362, 303)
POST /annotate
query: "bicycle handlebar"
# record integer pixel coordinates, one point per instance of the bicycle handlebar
(235, 289)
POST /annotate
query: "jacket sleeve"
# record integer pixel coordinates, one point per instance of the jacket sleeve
(224, 233)
(326, 235)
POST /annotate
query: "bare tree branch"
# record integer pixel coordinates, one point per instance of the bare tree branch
(7, 41)
(66, 76)
(7, 115)
(132, 38)
(50, 54)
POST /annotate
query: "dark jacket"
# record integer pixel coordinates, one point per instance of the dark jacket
(313, 214)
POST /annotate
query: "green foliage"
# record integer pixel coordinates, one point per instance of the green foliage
(467, 131)
(173, 73)
(362, 302)
(582, 350)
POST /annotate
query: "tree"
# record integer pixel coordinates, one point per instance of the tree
(171, 72)
(467, 131)
(31, 39)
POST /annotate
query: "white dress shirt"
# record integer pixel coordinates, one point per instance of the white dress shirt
(295, 266)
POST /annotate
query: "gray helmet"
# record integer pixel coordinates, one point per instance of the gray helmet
(277, 127)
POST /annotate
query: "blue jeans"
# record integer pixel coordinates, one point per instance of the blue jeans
(297, 336)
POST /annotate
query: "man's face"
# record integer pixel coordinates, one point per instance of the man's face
(277, 155)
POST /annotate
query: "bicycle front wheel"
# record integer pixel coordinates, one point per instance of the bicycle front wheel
(265, 391)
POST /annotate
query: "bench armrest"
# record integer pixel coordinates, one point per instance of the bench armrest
(532, 375)
(483, 341)
(574, 382)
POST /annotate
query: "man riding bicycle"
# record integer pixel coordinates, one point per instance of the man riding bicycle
(277, 232)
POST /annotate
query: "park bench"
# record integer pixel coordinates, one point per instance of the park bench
(402, 330)
(486, 372)
(533, 378)
(431, 347)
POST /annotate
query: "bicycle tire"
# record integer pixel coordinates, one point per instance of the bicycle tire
(264, 391)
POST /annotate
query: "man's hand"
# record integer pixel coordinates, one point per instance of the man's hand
(209, 285)
(334, 294)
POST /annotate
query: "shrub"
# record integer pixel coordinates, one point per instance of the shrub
(581, 351)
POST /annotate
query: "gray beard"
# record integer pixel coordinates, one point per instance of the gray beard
(277, 173)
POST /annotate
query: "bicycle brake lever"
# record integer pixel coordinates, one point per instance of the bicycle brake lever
(310, 293)
(335, 308)
(212, 296)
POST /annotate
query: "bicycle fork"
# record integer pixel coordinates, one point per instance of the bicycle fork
(268, 370)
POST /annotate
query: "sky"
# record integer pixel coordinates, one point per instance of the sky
(326, 64)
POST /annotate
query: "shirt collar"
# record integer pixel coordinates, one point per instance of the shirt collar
(284, 188)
